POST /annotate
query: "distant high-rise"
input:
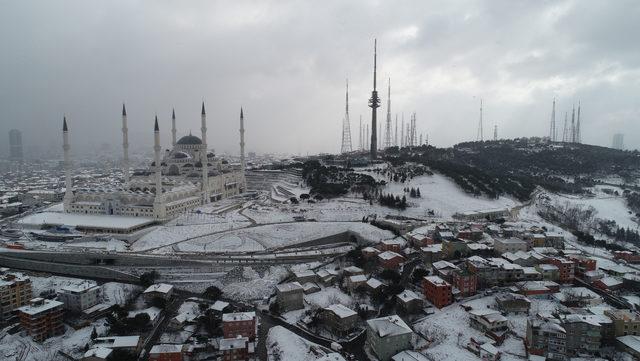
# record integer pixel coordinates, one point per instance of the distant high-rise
(374, 103)
(618, 141)
(15, 145)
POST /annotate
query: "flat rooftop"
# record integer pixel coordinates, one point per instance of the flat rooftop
(103, 221)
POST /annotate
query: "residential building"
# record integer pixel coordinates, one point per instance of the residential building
(235, 349)
(387, 336)
(15, 291)
(583, 334)
(431, 253)
(158, 290)
(289, 296)
(513, 303)
(629, 257)
(353, 282)
(353, 271)
(166, 352)
(390, 260)
(625, 322)
(409, 302)
(487, 320)
(444, 269)
(454, 248)
(393, 245)
(304, 276)
(583, 264)
(128, 343)
(42, 318)
(97, 354)
(241, 324)
(437, 291)
(339, 319)
(509, 245)
(609, 283)
(80, 297)
(565, 267)
(546, 337)
(549, 272)
(537, 288)
(465, 281)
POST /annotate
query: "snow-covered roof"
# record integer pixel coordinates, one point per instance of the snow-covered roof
(341, 310)
(38, 305)
(165, 348)
(288, 287)
(358, 278)
(389, 326)
(233, 343)
(160, 288)
(98, 352)
(80, 287)
(408, 295)
(118, 341)
(631, 341)
(489, 348)
(436, 280)
(373, 283)
(238, 316)
(611, 281)
(389, 255)
(409, 355)
(443, 265)
(219, 306)
(84, 220)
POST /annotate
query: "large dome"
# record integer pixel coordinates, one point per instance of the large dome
(189, 140)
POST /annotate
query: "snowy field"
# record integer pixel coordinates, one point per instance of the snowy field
(271, 236)
(442, 195)
(112, 292)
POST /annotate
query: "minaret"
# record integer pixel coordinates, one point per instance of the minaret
(203, 157)
(159, 210)
(68, 193)
(402, 142)
(125, 147)
(565, 130)
(374, 103)
(173, 127)
(243, 164)
(552, 130)
(360, 135)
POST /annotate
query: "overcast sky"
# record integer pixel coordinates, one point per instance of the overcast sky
(286, 62)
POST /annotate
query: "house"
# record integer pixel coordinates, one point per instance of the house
(353, 282)
(235, 349)
(97, 354)
(128, 343)
(42, 318)
(488, 352)
(465, 281)
(386, 336)
(305, 276)
(374, 285)
(339, 319)
(554, 240)
(390, 260)
(583, 334)
(631, 281)
(310, 287)
(454, 248)
(353, 271)
(513, 303)
(629, 257)
(241, 324)
(437, 291)
(537, 288)
(625, 322)
(546, 337)
(158, 290)
(289, 296)
(582, 264)
(431, 253)
(487, 320)
(444, 269)
(166, 352)
(419, 237)
(328, 276)
(629, 344)
(409, 302)
(393, 245)
(81, 296)
(578, 297)
(511, 245)
(592, 276)
(15, 291)
(549, 272)
(609, 283)
(369, 252)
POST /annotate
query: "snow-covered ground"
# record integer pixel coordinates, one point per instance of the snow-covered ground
(271, 236)
(250, 285)
(112, 292)
(283, 344)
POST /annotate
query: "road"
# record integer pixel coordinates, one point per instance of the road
(170, 311)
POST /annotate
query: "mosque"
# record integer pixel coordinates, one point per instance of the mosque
(181, 178)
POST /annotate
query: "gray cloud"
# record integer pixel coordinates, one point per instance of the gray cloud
(286, 61)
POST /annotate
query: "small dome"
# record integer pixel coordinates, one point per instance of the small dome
(180, 155)
(189, 140)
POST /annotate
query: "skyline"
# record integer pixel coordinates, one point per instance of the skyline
(285, 63)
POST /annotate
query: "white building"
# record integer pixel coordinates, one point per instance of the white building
(511, 245)
(185, 176)
(80, 297)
